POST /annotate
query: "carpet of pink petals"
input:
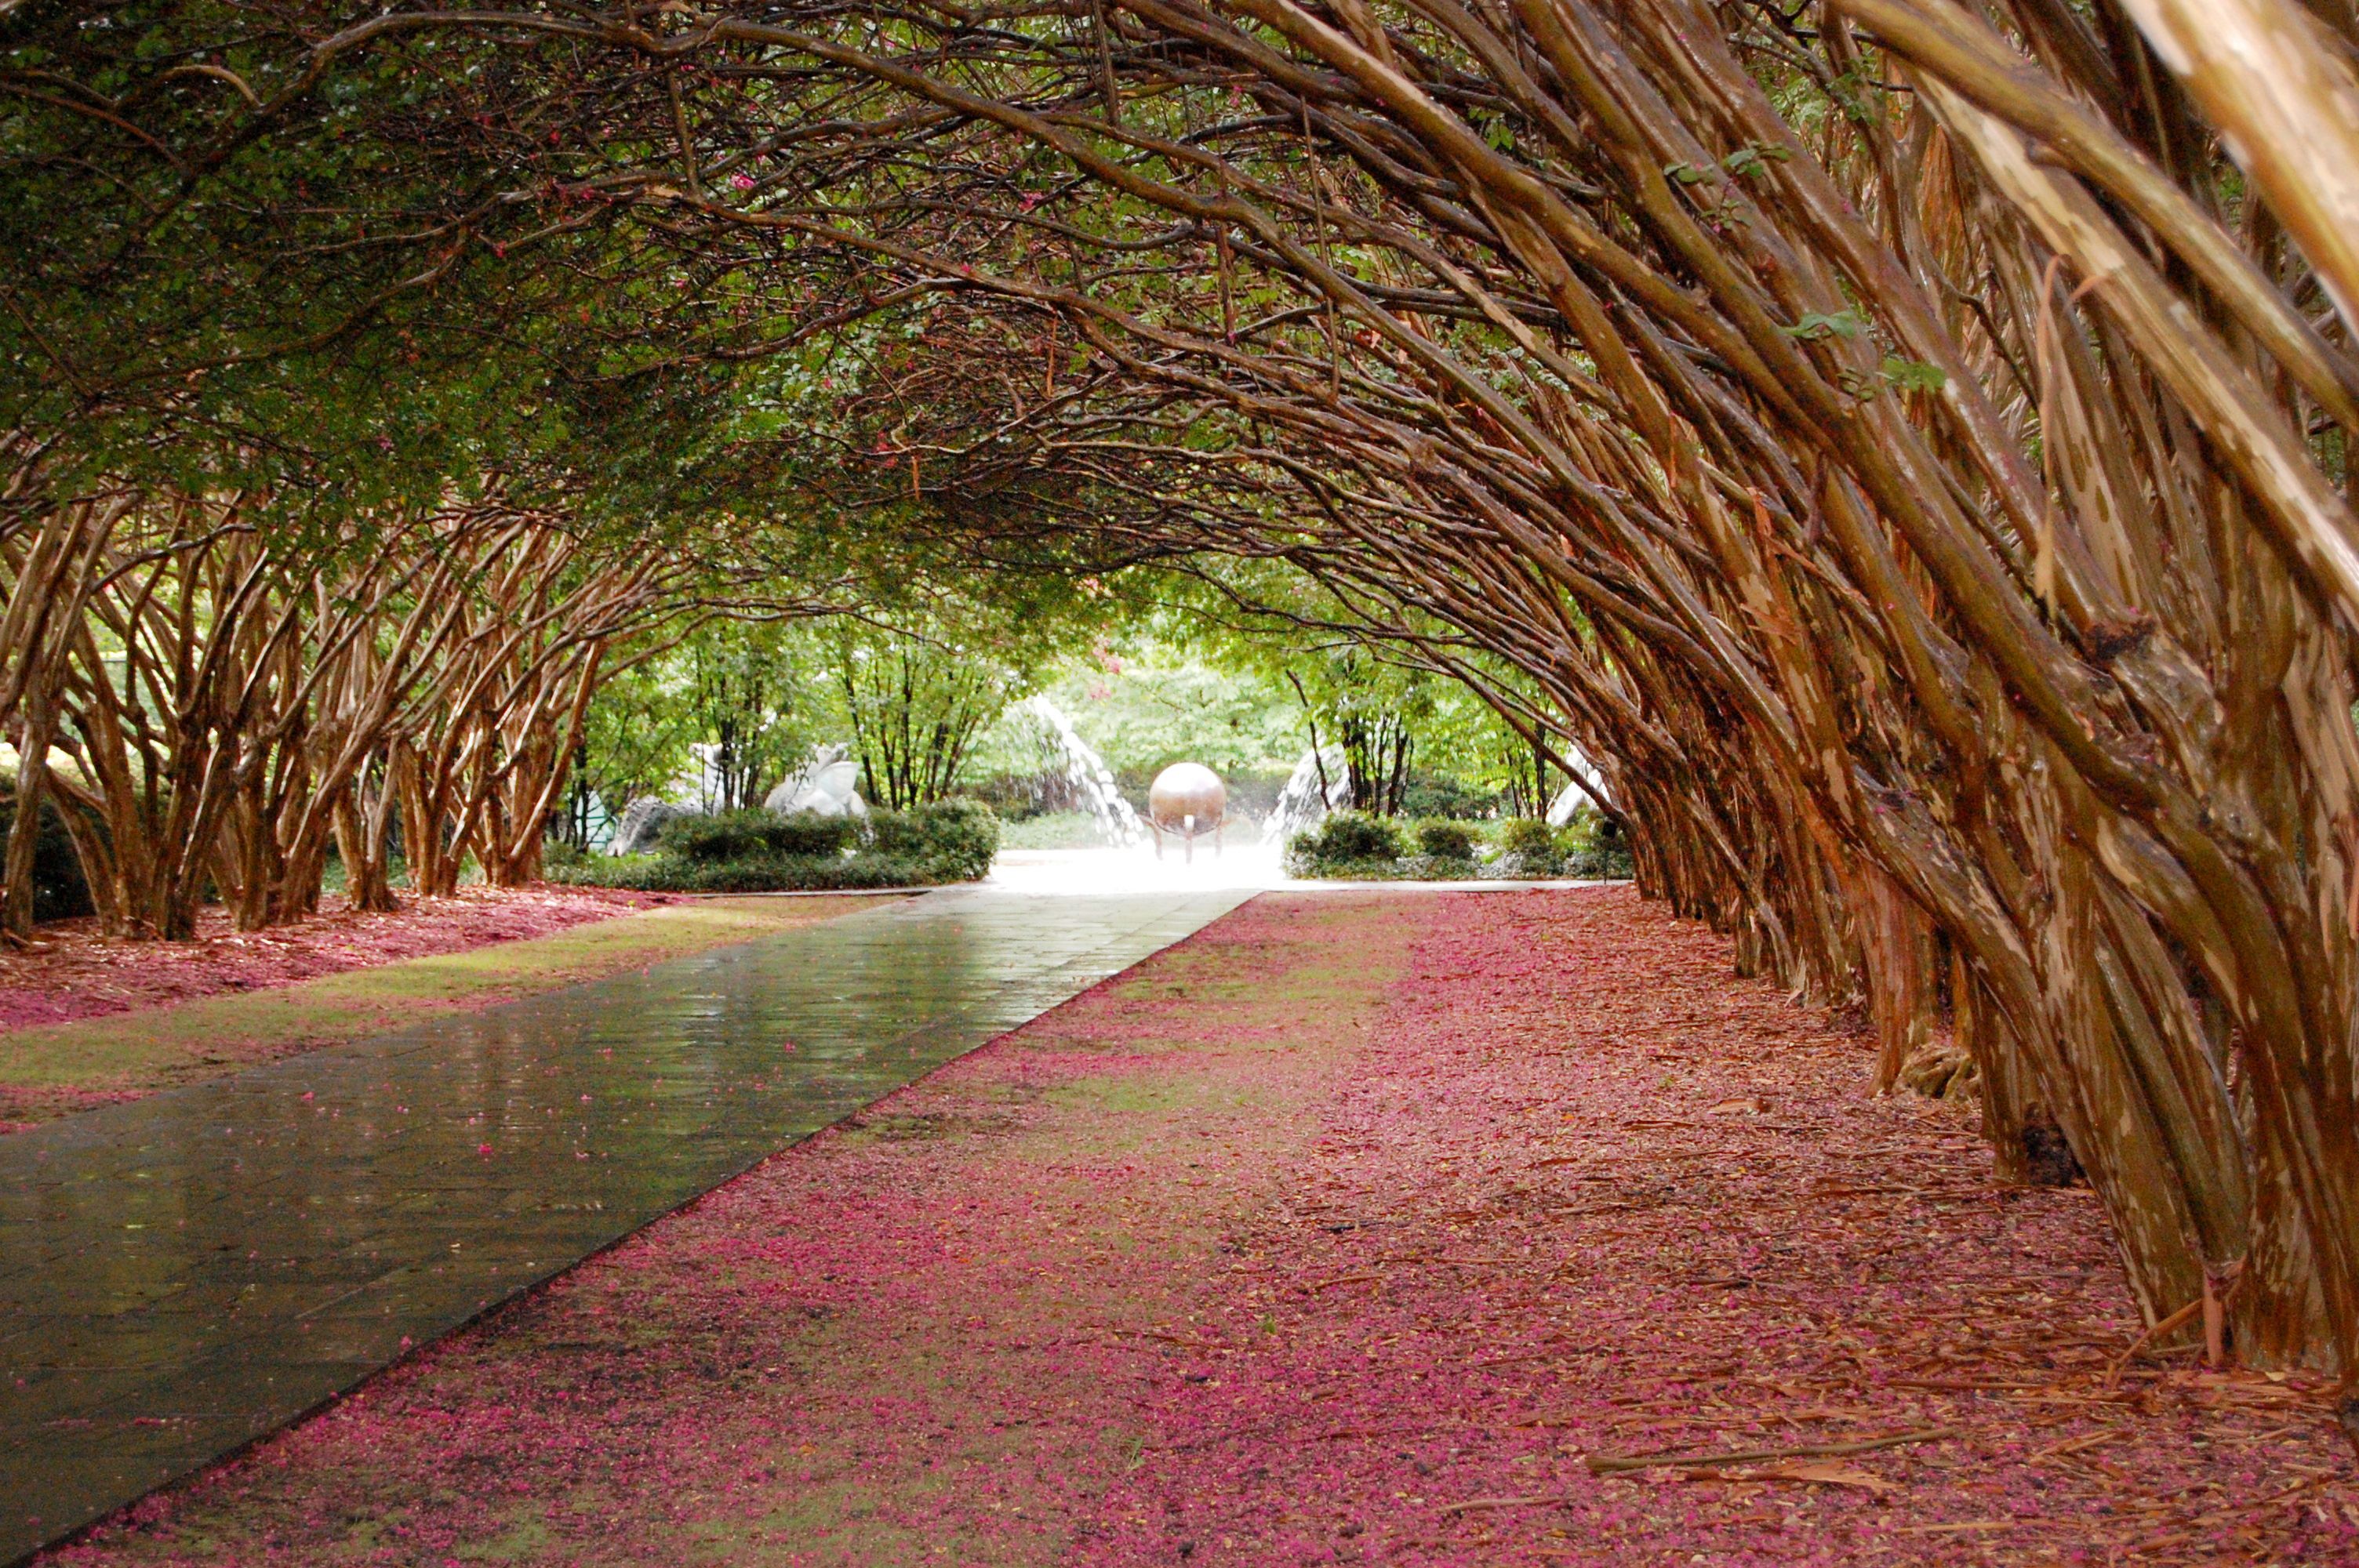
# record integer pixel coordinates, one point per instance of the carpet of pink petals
(1354, 1229)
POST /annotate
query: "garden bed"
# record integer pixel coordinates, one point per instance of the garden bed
(762, 851)
(1351, 846)
(71, 970)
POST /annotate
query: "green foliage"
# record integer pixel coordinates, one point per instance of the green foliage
(1352, 845)
(1400, 726)
(750, 696)
(759, 874)
(1528, 837)
(1445, 840)
(917, 693)
(1590, 846)
(1346, 838)
(1433, 793)
(1596, 847)
(955, 838)
(1914, 375)
(1817, 324)
(1753, 159)
(754, 852)
(1146, 701)
(744, 835)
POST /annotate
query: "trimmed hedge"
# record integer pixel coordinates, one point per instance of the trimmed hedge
(1528, 836)
(754, 852)
(1444, 839)
(961, 837)
(1352, 847)
(752, 874)
(756, 834)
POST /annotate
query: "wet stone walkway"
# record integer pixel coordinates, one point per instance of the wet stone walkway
(183, 1275)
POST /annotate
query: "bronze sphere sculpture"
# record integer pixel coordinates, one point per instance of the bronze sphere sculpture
(1188, 799)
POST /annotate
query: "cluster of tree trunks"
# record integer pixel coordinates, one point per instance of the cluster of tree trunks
(221, 702)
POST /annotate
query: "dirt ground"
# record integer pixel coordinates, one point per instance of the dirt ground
(1418, 1228)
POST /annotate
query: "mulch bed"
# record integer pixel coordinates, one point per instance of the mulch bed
(1471, 1229)
(71, 971)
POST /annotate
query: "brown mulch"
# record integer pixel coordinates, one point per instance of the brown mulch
(71, 970)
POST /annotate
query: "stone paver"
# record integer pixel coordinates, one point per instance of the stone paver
(183, 1274)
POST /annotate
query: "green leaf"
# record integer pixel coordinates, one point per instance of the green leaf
(1753, 158)
(1816, 324)
(1914, 375)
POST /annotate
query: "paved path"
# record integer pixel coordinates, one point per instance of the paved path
(183, 1275)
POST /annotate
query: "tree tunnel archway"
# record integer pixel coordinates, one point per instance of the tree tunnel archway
(1902, 442)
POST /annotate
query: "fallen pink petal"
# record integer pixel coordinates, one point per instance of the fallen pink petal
(1355, 1228)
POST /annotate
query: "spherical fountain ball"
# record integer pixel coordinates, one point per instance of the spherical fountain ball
(1184, 791)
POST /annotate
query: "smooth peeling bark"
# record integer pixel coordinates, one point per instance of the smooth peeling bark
(2282, 88)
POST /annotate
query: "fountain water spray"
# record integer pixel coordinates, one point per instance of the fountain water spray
(1086, 771)
(1301, 804)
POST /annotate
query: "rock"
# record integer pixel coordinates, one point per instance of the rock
(643, 820)
(2048, 1158)
(1941, 1070)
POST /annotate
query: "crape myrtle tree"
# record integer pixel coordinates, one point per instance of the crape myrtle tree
(1921, 508)
(319, 523)
(336, 480)
(1906, 445)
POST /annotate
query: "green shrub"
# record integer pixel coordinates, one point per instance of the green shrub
(1349, 844)
(1445, 840)
(1355, 836)
(1600, 849)
(957, 839)
(753, 851)
(808, 833)
(1530, 847)
(1526, 836)
(729, 836)
(755, 873)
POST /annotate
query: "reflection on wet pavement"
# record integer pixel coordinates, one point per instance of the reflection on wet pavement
(184, 1273)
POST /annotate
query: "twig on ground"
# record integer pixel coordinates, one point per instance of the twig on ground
(1615, 1464)
(2175, 1320)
